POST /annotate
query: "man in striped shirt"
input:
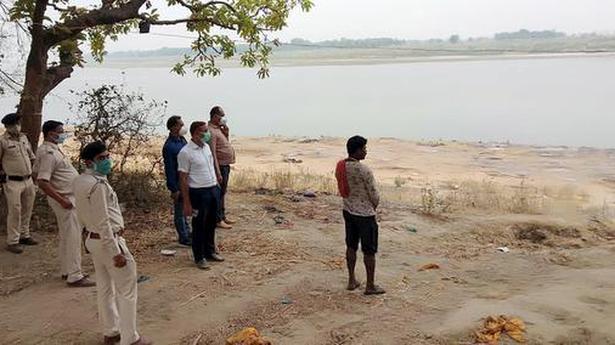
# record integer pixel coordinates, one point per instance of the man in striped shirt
(358, 188)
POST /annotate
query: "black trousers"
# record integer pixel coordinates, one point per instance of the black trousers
(225, 171)
(205, 204)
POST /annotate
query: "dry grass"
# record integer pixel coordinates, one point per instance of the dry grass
(429, 198)
(282, 181)
(440, 198)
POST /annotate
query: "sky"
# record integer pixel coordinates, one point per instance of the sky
(414, 19)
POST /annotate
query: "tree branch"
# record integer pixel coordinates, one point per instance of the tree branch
(103, 16)
(189, 20)
(55, 75)
(9, 81)
(223, 3)
(58, 8)
(205, 5)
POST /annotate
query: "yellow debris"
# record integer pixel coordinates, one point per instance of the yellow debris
(247, 336)
(429, 267)
(495, 326)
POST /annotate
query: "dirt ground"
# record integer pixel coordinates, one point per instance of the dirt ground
(285, 275)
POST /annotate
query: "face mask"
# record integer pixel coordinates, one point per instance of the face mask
(104, 167)
(223, 121)
(14, 129)
(183, 131)
(207, 137)
(62, 138)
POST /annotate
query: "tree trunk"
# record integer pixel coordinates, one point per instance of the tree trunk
(31, 102)
(31, 107)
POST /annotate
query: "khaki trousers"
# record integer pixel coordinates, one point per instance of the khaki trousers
(20, 202)
(117, 292)
(69, 233)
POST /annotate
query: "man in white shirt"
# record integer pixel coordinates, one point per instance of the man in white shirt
(199, 183)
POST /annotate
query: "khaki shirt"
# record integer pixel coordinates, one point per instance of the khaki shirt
(363, 198)
(98, 209)
(16, 155)
(221, 146)
(52, 165)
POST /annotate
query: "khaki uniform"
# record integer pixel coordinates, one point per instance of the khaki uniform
(16, 157)
(52, 165)
(99, 211)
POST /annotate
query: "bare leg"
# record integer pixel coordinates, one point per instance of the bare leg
(370, 268)
(351, 260)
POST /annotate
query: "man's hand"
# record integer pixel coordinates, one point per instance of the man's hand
(175, 196)
(119, 261)
(219, 178)
(225, 130)
(187, 210)
(66, 204)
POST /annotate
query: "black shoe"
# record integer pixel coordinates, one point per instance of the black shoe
(83, 282)
(202, 264)
(14, 248)
(215, 257)
(28, 241)
(112, 340)
(65, 276)
(186, 243)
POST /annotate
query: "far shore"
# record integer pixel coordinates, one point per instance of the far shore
(335, 59)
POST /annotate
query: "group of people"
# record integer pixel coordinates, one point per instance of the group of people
(197, 171)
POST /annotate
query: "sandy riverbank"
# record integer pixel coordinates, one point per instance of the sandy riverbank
(285, 271)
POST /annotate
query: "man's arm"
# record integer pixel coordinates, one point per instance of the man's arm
(225, 130)
(183, 167)
(43, 169)
(51, 192)
(212, 145)
(370, 184)
(183, 183)
(32, 157)
(170, 170)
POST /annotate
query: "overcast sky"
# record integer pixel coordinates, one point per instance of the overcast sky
(416, 19)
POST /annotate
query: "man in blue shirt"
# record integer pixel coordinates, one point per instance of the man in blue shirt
(175, 142)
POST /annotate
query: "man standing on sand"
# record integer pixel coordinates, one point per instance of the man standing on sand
(116, 270)
(224, 157)
(16, 160)
(199, 186)
(55, 175)
(174, 143)
(357, 186)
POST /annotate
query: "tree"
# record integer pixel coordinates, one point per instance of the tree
(123, 120)
(60, 27)
(454, 39)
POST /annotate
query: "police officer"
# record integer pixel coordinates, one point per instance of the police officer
(55, 176)
(116, 271)
(16, 158)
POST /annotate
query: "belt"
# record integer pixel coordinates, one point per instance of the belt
(96, 236)
(18, 178)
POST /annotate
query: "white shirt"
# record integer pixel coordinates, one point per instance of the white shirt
(198, 163)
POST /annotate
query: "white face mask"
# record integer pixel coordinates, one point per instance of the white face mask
(183, 131)
(223, 121)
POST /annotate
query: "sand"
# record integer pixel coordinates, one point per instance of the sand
(286, 276)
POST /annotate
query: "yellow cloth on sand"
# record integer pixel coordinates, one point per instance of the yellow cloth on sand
(247, 336)
(495, 326)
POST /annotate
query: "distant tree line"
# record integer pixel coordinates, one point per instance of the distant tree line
(524, 34)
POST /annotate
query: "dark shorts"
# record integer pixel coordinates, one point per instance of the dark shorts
(363, 229)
